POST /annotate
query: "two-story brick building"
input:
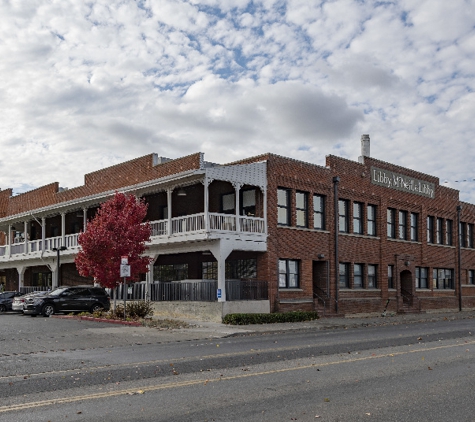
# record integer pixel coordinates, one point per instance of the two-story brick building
(347, 237)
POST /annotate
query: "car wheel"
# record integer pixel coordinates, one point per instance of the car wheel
(96, 308)
(3, 308)
(47, 310)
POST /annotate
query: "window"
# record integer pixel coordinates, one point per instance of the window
(371, 216)
(301, 209)
(372, 284)
(288, 274)
(390, 223)
(414, 226)
(357, 217)
(471, 277)
(469, 235)
(318, 212)
(422, 278)
(438, 231)
(283, 207)
(358, 276)
(41, 279)
(463, 235)
(448, 232)
(174, 272)
(442, 278)
(343, 274)
(343, 216)
(430, 229)
(391, 284)
(248, 202)
(402, 225)
(228, 203)
(241, 268)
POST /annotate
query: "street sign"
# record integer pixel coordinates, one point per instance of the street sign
(219, 293)
(125, 270)
(124, 260)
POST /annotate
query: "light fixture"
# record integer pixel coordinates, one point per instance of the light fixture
(320, 256)
(181, 192)
(13, 228)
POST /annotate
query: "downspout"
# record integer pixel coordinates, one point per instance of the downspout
(336, 180)
(459, 258)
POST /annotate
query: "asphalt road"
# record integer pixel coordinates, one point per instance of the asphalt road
(62, 370)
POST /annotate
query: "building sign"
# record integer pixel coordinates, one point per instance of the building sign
(400, 182)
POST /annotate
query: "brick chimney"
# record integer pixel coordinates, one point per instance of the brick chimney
(364, 148)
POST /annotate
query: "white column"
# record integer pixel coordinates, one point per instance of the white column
(237, 188)
(43, 234)
(21, 277)
(9, 240)
(55, 277)
(221, 251)
(84, 219)
(206, 183)
(149, 277)
(169, 212)
(63, 229)
(25, 233)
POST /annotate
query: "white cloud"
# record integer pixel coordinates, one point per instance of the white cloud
(88, 84)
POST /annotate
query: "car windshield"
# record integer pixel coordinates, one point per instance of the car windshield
(57, 292)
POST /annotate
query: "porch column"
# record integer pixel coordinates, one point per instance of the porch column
(55, 277)
(9, 240)
(21, 277)
(43, 234)
(169, 212)
(26, 235)
(149, 277)
(84, 219)
(206, 183)
(221, 251)
(63, 229)
(237, 189)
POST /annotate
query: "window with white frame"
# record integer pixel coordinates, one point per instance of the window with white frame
(357, 217)
(442, 278)
(283, 207)
(414, 226)
(438, 231)
(391, 229)
(371, 220)
(358, 276)
(403, 225)
(288, 274)
(430, 229)
(391, 284)
(372, 277)
(448, 232)
(344, 276)
(319, 212)
(301, 208)
(343, 216)
(471, 277)
(422, 280)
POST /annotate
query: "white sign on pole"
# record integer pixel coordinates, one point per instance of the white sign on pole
(124, 260)
(125, 270)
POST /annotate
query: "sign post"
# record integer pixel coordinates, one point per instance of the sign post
(124, 272)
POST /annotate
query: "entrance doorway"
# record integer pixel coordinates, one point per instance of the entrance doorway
(406, 286)
(320, 279)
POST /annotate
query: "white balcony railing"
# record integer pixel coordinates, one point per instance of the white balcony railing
(186, 224)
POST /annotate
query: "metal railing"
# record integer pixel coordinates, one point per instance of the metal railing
(31, 289)
(198, 291)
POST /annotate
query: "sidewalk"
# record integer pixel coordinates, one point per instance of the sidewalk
(217, 330)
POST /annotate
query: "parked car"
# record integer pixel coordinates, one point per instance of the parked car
(19, 301)
(68, 299)
(6, 299)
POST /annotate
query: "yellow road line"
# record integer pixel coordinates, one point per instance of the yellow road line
(140, 390)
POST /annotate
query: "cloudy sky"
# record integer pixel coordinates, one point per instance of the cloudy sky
(88, 84)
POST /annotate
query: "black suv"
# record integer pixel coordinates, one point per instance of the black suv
(6, 299)
(68, 299)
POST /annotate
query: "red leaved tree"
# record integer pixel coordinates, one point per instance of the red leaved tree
(117, 230)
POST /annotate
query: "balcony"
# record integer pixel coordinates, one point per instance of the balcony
(182, 228)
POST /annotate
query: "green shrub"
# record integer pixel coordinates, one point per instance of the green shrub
(246, 319)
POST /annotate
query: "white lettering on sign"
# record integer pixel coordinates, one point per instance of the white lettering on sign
(401, 182)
